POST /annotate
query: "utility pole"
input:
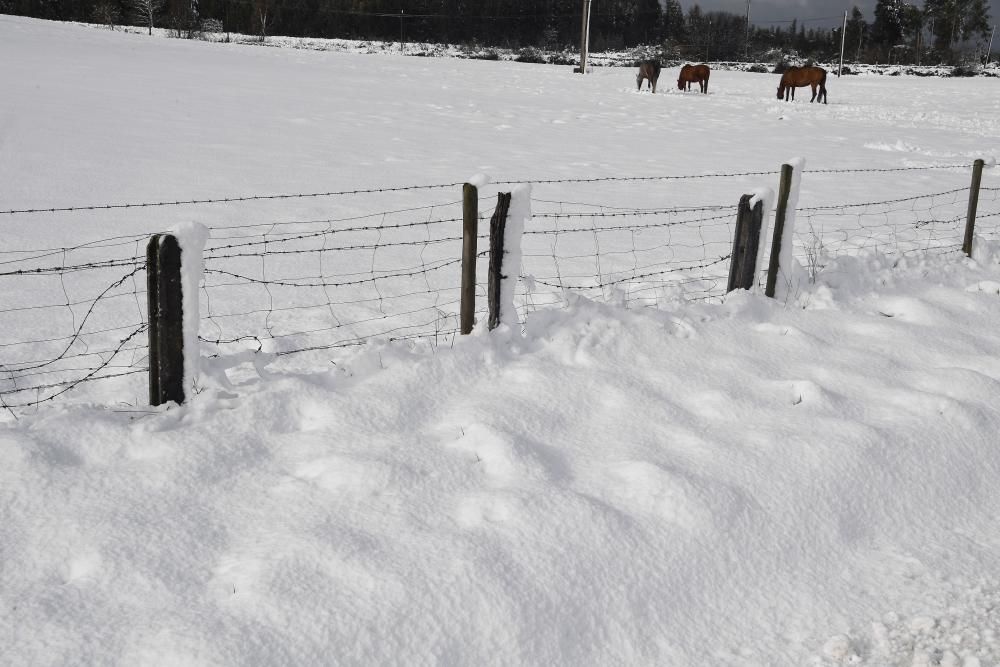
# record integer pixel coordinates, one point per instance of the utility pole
(843, 40)
(401, 12)
(584, 36)
(989, 49)
(746, 43)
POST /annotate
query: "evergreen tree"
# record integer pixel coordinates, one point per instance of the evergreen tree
(954, 21)
(887, 30)
(857, 32)
(673, 22)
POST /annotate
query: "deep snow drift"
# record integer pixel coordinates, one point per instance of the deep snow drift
(739, 481)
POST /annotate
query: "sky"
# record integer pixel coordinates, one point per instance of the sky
(773, 11)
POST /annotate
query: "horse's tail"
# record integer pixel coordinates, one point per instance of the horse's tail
(822, 86)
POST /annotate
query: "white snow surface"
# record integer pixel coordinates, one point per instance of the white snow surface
(790, 273)
(191, 237)
(510, 267)
(739, 481)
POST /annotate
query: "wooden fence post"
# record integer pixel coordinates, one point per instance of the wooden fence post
(745, 243)
(498, 225)
(784, 189)
(470, 232)
(166, 321)
(970, 221)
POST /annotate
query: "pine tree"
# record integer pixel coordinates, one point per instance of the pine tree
(674, 28)
(857, 31)
(887, 30)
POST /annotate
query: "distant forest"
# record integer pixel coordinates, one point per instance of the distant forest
(937, 31)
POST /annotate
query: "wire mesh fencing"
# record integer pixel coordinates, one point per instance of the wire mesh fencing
(70, 316)
(286, 288)
(279, 289)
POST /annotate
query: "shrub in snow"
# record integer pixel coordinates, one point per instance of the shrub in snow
(209, 26)
(563, 58)
(966, 70)
(530, 54)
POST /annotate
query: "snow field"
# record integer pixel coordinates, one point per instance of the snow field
(734, 481)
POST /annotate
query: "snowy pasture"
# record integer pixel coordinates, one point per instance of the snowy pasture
(646, 471)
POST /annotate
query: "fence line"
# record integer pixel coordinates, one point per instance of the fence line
(286, 288)
(409, 188)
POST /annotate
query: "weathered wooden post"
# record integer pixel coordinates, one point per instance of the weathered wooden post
(498, 224)
(784, 189)
(743, 263)
(970, 221)
(166, 320)
(470, 231)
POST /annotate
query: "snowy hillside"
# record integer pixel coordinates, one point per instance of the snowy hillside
(647, 471)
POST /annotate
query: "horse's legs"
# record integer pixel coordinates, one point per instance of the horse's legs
(813, 86)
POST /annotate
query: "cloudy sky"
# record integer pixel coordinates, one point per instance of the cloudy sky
(768, 11)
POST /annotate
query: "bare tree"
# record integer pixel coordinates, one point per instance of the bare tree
(146, 11)
(263, 14)
(107, 13)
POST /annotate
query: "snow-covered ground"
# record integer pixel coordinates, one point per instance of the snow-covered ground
(720, 481)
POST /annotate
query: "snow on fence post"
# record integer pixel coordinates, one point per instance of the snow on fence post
(173, 271)
(506, 228)
(470, 232)
(166, 320)
(782, 260)
(970, 221)
(746, 243)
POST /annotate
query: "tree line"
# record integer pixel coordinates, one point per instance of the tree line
(898, 32)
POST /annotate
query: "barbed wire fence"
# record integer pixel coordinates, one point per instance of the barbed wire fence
(279, 289)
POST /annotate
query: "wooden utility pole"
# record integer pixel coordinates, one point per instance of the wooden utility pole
(584, 36)
(843, 41)
(989, 49)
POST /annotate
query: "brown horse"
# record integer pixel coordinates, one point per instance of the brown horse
(797, 77)
(694, 73)
(649, 70)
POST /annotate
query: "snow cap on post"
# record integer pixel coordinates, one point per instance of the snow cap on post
(191, 236)
(765, 196)
(789, 272)
(479, 180)
(517, 218)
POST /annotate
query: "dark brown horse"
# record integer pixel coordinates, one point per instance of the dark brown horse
(797, 77)
(649, 70)
(694, 73)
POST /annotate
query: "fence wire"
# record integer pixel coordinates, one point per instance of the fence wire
(283, 288)
(76, 320)
(295, 287)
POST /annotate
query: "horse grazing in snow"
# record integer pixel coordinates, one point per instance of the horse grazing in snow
(649, 70)
(797, 77)
(694, 74)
